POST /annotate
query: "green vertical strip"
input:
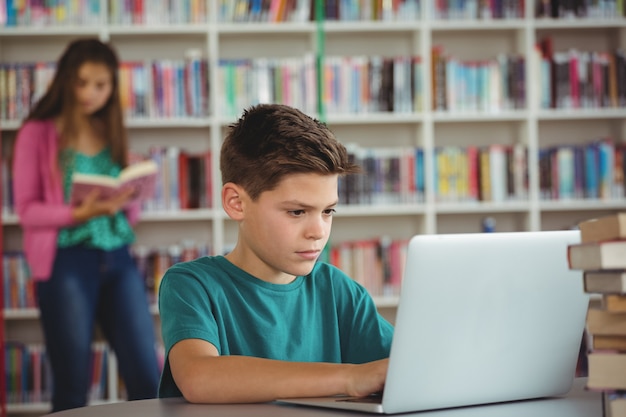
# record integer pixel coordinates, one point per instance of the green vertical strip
(321, 45)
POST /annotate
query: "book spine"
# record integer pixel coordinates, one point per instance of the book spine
(173, 193)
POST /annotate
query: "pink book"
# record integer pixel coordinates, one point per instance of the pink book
(472, 173)
(141, 176)
(574, 79)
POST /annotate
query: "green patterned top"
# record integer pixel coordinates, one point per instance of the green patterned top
(103, 232)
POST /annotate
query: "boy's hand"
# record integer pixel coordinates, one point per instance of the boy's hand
(367, 378)
(92, 206)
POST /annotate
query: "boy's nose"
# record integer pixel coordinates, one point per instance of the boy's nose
(317, 228)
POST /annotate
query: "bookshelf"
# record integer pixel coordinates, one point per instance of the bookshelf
(220, 40)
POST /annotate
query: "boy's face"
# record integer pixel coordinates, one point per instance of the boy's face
(283, 232)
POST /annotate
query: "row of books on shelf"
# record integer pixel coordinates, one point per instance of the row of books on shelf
(179, 88)
(570, 9)
(487, 173)
(498, 172)
(21, 85)
(397, 175)
(265, 11)
(305, 10)
(577, 79)
(478, 9)
(594, 171)
(349, 84)
(182, 181)
(165, 88)
(137, 12)
(39, 13)
(291, 81)
(156, 12)
(152, 262)
(567, 80)
(28, 377)
(390, 175)
(18, 287)
(158, 88)
(89, 12)
(601, 256)
(376, 263)
(477, 85)
(360, 84)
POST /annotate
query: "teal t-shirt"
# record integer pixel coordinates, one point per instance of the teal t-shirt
(322, 317)
(103, 232)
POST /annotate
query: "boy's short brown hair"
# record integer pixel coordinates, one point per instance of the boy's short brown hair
(270, 141)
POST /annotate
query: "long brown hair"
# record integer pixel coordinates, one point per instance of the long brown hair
(59, 101)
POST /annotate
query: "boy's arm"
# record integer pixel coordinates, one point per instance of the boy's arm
(205, 377)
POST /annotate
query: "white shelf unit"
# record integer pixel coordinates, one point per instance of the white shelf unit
(531, 126)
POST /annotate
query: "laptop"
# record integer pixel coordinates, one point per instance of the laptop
(482, 318)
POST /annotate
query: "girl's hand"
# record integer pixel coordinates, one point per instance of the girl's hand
(92, 206)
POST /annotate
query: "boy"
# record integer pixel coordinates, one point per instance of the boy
(267, 321)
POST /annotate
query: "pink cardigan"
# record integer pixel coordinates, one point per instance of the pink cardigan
(38, 195)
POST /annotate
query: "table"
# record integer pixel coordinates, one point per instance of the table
(578, 403)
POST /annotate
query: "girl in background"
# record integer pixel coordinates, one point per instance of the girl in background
(79, 256)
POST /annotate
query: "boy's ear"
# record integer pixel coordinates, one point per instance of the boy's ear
(232, 200)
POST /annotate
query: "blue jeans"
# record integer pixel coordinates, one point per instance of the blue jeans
(90, 286)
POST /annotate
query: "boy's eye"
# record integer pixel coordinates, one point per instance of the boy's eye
(298, 213)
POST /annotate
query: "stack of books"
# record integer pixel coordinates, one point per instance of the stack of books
(602, 256)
